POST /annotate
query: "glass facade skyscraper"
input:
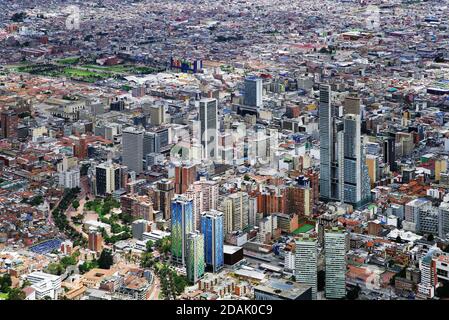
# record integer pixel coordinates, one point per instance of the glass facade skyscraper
(212, 228)
(195, 256)
(182, 223)
(343, 171)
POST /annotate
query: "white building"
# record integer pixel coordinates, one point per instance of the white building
(335, 263)
(45, 284)
(306, 262)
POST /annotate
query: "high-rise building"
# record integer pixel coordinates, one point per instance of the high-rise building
(389, 151)
(185, 175)
(335, 263)
(204, 194)
(194, 256)
(343, 171)
(151, 143)
(306, 261)
(235, 209)
(95, 240)
(9, 121)
(157, 115)
(165, 194)
(132, 144)
(181, 225)
(300, 197)
(328, 170)
(212, 228)
(208, 118)
(109, 177)
(253, 92)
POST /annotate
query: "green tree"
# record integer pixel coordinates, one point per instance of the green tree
(149, 246)
(5, 283)
(147, 260)
(16, 294)
(106, 260)
(75, 204)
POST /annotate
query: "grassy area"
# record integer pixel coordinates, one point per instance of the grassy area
(70, 60)
(85, 73)
(3, 296)
(305, 228)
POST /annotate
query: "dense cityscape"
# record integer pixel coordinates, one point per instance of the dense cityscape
(224, 150)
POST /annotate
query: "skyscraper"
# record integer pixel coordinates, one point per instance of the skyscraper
(327, 166)
(204, 194)
(235, 208)
(195, 256)
(306, 262)
(212, 228)
(389, 150)
(181, 225)
(151, 143)
(253, 92)
(335, 263)
(343, 171)
(165, 194)
(132, 144)
(208, 118)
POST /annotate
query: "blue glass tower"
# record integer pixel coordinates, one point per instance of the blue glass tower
(182, 223)
(212, 228)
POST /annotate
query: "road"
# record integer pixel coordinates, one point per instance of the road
(156, 288)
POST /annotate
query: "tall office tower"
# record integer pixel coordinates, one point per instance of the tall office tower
(389, 151)
(109, 177)
(151, 143)
(212, 228)
(9, 121)
(181, 225)
(185, 175)
(426, 287)
(356, 183)
(95, 240)
(306, 261)
(235, 209)
(194, 256)
(335, 263)
(132, 144)
(208, 117)
(157, 115)
(253, 92)
(328, 171)
(343, 171)
(165, 194)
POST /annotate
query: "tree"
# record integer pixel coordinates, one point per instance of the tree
(75, 204)
(5, 282)
(149, 246)
(430, 237)
(16, 294)
(147, 260)
(106, 260)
